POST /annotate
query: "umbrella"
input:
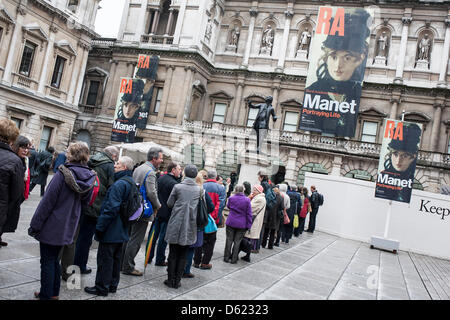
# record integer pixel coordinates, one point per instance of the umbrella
(148, 247)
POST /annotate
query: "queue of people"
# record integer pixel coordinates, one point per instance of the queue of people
(88, 196)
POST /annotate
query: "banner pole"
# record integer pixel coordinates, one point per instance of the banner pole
(388, 220)
(121, 149)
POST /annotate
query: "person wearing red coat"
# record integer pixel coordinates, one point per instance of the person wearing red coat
(304, 211)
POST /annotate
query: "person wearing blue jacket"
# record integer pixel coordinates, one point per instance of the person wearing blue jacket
(110, 231)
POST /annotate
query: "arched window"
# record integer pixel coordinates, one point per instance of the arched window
(310, 167)
(84, 135)
(194, 154)
(227, 162)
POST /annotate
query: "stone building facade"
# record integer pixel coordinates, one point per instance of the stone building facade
(213, 61)
(44, 50)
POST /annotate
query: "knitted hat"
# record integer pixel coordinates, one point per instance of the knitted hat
(411, 139)
(355, 33)
(258, 187)
(190, 171)
(150, 72)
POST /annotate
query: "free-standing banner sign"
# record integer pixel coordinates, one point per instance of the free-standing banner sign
(398, 159)
(134, 99)
(338, 56)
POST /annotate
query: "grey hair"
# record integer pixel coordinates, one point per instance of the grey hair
(294, 187)
(153, 153)
(239, 188)
(212, 174)
(127, 162)
(112, 151)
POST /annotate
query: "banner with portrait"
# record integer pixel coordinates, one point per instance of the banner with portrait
(338, 55)
(398, 158)
(134, 99)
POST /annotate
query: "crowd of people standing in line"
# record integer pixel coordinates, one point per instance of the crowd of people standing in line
(87, 195)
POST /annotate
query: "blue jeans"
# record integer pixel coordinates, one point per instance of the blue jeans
(160, 233)
(189, 257)
(50, 271)
(84, 241)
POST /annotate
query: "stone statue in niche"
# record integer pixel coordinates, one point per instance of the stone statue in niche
(234, 39)
(305, 40)
(382, 45)
(208, 31)
(424, 48)
(267, 41)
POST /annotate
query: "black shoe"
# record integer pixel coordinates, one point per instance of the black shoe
(87, 271)
(196, 266)
(246, 258)
(164, 264)
(233, 261)
(270, 248)
(276, 244)
(112, 289)
(168, 283)
(188, 275)
(95, 291)
(226, 260)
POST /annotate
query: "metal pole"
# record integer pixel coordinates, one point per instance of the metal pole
(388, 219)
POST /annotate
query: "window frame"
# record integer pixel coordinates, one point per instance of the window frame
(59, 79)
(376, 131)
(52, 130)
(284, 120)
(96, 94)
(30, 69)
(215, 103)
(77, 5)
(155, 100)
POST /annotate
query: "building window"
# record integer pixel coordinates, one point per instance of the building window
(27, 58)
(17, 121)
(448, 147)
(252, 113)
(73, 5)
(159, 92)
(219, 112)
(45, 138)
(290, 121)
(1, 34)
(58, 71)
(92, 94)
(369, 132)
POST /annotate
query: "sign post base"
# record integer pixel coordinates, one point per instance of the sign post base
(384, 244)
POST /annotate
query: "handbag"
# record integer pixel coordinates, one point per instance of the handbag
(147, 205)
(309, 207)
(296, 222)
(211, 226)
(286, 218)
(202, 213)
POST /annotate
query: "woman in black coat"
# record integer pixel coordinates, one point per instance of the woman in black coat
(11, 178)
(42, 166)
(272, 220)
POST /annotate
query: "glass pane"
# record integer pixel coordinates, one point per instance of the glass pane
(92, 94)
(27, 59)
(290, 127)
(219, 109)
(218, 118)
(159, 95)
(157, 104)
(448, 150)
(368, 138)
(18, 122)
(252, 113)
(291, 118)
(45, 138)
(370, 128)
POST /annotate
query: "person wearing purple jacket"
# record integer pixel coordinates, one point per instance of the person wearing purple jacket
(238, 222)
(57, 215)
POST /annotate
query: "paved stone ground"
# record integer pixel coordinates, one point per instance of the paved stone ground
(318, 266)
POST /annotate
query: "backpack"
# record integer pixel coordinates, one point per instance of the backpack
(271, 198)
(132, 208)
(147, 205)
(320, 200)
(95, 190)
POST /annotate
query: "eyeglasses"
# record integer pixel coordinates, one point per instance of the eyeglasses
(25, 147)
(403, 156)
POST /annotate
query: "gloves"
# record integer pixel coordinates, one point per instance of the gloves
(32, 232)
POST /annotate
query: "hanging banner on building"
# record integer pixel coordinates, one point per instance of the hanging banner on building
(145, 71)
(398, 157)
(338, 56)
(134, 99)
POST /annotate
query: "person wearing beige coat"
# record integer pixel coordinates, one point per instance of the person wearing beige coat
(258, 210)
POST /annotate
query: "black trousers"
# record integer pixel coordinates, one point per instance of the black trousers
(312, 220)
(301, 226)
(280, 230)
(32, 185)
(50, 271)
(108, 266)
(176, 262)
(204, 253)
(232, 243)
(84, 241)
(286, 231)
(268, 233)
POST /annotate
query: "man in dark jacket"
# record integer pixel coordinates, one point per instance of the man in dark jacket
(59, 160)
(314, 199)
(103, 164)
(110, 231)
(11, 174)
(42, 166)
(165, 186)
(294, 209)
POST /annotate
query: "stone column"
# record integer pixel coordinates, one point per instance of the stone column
(402, 52)
(435, 130)
(444, 62)
(179, 22)
(232, 115)
(336, 166)
(170, 21)
(284, 43)
(275, 92)
(12, 47)
(131, 67)
(394, 108)
(248, 45)
(166, 92)
(290, 167)
(141, 21)
(184, 113)
(73, 80)
(48, 54)
(81, 75)
(106, 101)
(155, 21)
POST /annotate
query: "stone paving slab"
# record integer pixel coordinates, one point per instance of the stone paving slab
(315, 266)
